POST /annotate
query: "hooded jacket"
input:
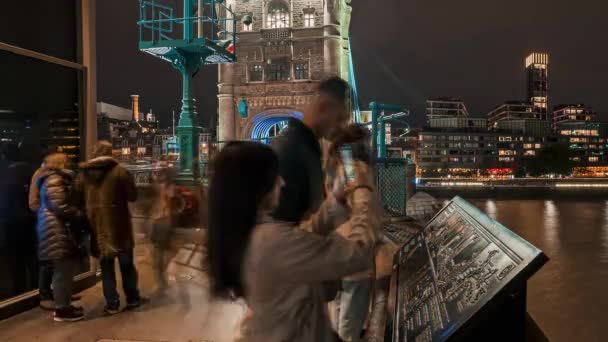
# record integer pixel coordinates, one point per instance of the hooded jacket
(54, 239)
(107, 188)
(299, 153)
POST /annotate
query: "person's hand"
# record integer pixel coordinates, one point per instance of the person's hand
(338, 189)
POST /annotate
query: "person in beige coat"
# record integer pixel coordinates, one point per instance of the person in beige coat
(350, 309)
(278, 267)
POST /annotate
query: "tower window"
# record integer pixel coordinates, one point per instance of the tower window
(278, 15)
(301, 70)
(278, 70)
(256, 73)
(309, 19)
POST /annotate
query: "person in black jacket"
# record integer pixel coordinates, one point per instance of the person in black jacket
(17, 233)
(57, 242)
(300, 155)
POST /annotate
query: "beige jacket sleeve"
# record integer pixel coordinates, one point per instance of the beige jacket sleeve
(316, 258)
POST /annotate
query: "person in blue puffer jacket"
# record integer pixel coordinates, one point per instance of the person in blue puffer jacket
(56, 241)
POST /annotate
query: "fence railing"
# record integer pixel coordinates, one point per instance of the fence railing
(144, 176)
(390, 182)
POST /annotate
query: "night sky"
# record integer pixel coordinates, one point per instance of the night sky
(404, 52)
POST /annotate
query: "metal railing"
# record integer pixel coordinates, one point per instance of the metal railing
(158, 24)
(143, 175)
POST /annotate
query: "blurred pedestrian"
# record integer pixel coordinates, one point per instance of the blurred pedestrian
(300, 155)
(279, 266)
(57, 242)
(164, 221)
(352, 303)
(108, 188)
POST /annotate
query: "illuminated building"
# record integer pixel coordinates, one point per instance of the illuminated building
(514, 110)
(465, 147)
(587, 141)
(445, 107)
(132, 134)
(537, 67)
(572, 112)
(458, 151)
(285, 48)
(458, 122)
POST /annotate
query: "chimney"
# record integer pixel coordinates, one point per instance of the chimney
(135, 107)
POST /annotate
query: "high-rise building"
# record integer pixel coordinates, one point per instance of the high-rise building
(445, 107)
(572, 112)
(537, 67)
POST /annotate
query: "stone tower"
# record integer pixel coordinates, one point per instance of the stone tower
(282, 55)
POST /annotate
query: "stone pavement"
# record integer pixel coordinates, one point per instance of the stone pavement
(184, 314)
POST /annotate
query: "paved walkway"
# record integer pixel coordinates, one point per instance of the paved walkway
(184, 314)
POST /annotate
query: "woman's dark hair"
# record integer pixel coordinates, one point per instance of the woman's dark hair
(243, 173)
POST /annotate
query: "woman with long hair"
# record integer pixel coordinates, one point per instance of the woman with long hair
(279, 267)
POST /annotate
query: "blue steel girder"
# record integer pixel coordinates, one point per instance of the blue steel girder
(356, 108)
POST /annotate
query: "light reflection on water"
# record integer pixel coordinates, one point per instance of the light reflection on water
(551, 234)
(604, 252)
(568, 296)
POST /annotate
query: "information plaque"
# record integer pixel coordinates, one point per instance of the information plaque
(445, 275)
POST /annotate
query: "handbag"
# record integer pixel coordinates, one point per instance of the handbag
(79, 229)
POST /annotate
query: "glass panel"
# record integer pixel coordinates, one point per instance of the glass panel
(47, 27)
(278, 15)
(255, 73)
(301, 71)
(278, 70)
(39, 107)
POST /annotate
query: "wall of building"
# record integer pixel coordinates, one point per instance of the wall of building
(114, 112)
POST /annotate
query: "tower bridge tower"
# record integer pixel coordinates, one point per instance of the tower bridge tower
(284, 49)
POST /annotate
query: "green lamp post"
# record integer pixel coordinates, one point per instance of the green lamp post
(188, 54)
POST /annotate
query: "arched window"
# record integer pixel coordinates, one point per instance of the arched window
(278, 14)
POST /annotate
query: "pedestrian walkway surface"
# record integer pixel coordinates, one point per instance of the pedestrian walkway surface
(184, 314)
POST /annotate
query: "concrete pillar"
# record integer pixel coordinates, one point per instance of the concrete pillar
(410, 181)
(89, 61)
(346, 14)
(226, 103)
(332, 47)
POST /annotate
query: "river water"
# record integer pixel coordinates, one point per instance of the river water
(568, 297)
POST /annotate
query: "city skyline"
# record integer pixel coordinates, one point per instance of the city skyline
(452, 57)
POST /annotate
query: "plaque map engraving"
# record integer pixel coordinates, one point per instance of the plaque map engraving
(449, 271)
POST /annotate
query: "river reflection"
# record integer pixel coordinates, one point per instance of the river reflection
(568, 297)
